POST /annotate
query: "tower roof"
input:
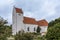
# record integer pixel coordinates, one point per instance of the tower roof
(18, 10)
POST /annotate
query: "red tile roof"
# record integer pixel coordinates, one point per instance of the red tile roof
(18, 10)
(42, 23)
(28, 20)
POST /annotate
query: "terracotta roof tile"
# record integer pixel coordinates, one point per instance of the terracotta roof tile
(18, 10)
(28, 20)
(42, 23)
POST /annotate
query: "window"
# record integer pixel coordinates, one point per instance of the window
(28, 28)
(34, 28)
(19, 14)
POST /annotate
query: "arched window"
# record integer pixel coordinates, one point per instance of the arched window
(28, 28)
(34, 28)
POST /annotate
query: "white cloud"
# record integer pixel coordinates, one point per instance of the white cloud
(28, 14)
(8, 18)
(6, 9)
(39, 9)
(6, 2)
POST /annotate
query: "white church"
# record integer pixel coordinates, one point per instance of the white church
(27, 24)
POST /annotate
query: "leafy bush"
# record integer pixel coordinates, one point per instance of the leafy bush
(24, 36)
(5, 30)
(54, 32)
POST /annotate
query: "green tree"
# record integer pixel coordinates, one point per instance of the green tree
(52, 23)
(4, 29)
(54, 32)
(8, 30)
(38, 29)
(24, 36)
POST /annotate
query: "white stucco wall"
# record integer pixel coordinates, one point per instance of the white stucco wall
(31, 27)
(14, 22)
(17, 22)
(43, 28)
(20, 24)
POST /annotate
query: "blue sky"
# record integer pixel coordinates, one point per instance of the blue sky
(38, 9)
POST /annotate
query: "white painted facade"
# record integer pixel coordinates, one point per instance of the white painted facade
(18, 25)
(43, 30)
(17, 22)
(31, 27)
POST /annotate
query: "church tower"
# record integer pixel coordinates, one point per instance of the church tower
(17, 20)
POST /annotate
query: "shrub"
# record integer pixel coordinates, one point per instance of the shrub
(24, 36)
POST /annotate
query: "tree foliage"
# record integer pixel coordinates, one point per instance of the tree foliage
(53, 22)
(54, 31)
(5, 30)
(24, 36)
(38, 29)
